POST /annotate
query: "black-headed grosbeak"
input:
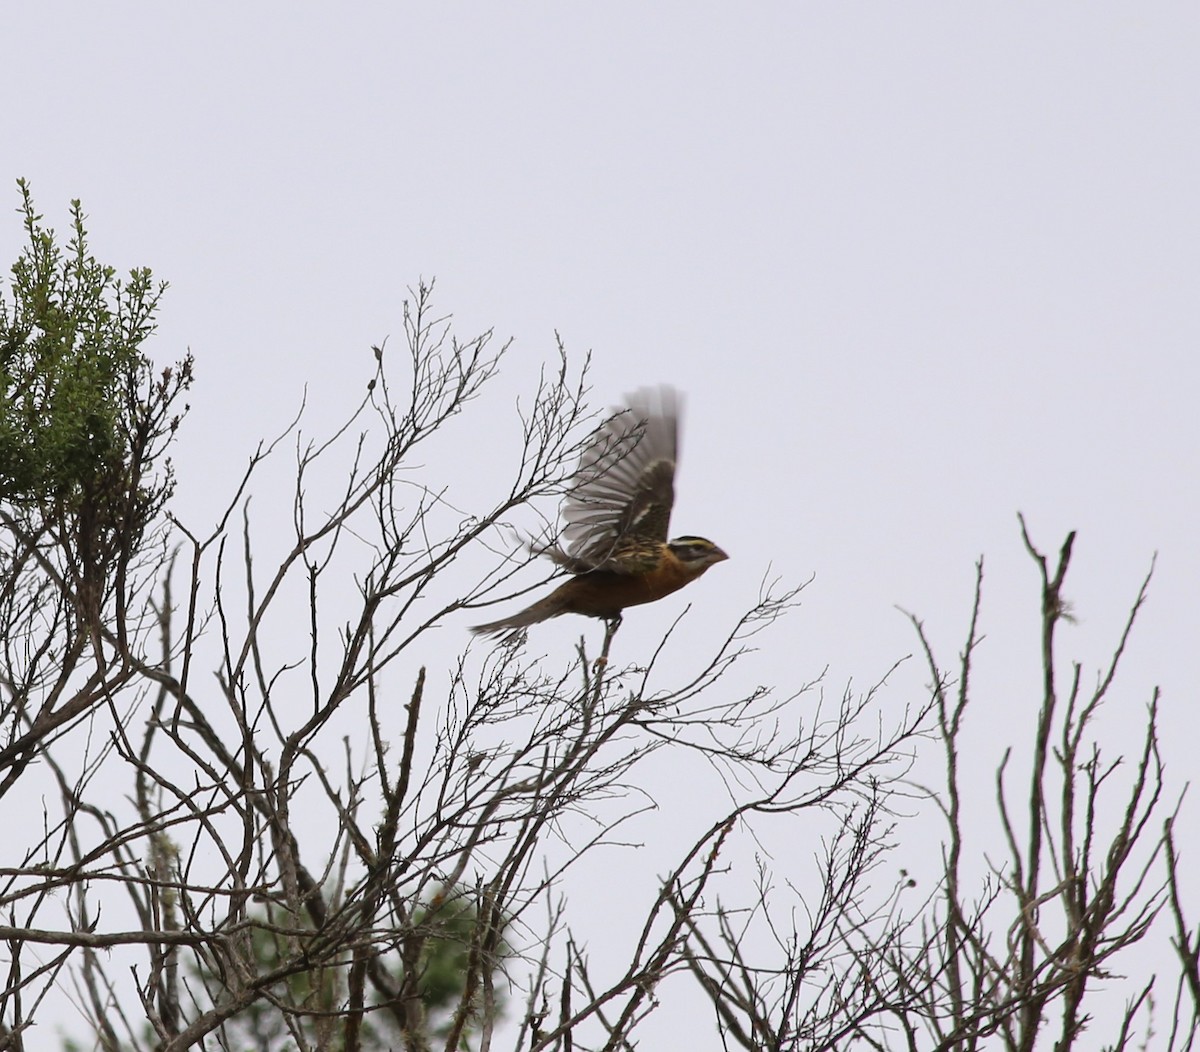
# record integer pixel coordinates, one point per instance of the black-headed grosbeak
(616, 518)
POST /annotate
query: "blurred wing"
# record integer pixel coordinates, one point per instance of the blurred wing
(625, 484)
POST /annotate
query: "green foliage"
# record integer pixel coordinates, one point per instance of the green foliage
(437, 947)
(85, 417)
(450, 926)
(69, 346)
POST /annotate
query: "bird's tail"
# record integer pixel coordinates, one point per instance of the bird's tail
(510, 627)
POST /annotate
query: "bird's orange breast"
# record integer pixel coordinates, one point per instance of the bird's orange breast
(602, 593)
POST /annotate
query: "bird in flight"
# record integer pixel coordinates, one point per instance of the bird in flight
(616, 518)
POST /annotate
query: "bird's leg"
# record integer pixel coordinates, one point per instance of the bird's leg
(611, 624)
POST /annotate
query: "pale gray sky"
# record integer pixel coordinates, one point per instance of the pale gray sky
(917, 267)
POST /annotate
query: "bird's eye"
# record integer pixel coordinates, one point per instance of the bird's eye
(688, 548)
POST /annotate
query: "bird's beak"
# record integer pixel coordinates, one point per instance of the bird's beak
(718, 554)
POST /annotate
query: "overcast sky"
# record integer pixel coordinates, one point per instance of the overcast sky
(916, 266)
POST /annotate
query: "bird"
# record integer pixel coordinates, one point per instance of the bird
(616, 519)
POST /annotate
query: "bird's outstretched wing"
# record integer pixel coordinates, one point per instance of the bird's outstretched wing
(618, 511)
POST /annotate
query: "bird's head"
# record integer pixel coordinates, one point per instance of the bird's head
(696, 553)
